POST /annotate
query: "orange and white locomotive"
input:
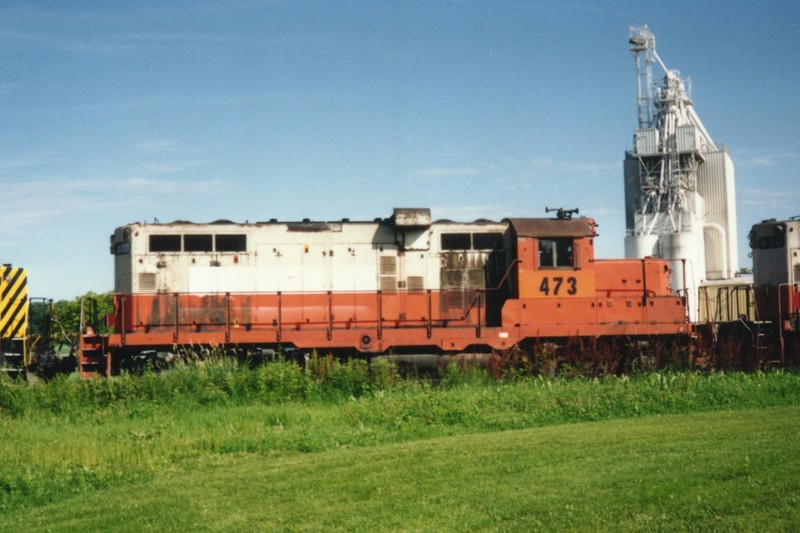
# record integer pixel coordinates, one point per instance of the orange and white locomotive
(403, 284)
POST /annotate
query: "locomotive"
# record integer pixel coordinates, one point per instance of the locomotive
(13, 319)
(775, 246)
(405, 284)
(776, 266)
(26, 342)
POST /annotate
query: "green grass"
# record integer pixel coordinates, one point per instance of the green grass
(346, 447)
(730, 470)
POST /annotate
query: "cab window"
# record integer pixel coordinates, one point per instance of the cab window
(556, 253)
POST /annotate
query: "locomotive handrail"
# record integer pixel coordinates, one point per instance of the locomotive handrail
(330, 315)
(380, 314)
(790, 310)
(780, 314)
(280, 315)
(706, 301)
(177, 317)
(480, 291)
(122, 317)
(476, 300)
(748, 290)
(227, 317)
(503, 279)
(687, 303)
(430, 316)
(478, 328)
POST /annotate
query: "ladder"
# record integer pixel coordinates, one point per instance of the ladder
(12, 357)
(94, 359)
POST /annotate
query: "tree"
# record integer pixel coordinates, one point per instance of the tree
(68, 312)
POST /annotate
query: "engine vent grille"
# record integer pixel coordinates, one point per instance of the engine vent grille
(388, 266)
(416, 283)
(147, 282)
(388, 283)
(476, 279)
(454, 299)
(453, 279)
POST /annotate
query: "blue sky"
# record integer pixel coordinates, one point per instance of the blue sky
(114, 112)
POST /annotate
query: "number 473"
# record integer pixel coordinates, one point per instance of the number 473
(555, 284)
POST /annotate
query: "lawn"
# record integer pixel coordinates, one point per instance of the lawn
(213, 449)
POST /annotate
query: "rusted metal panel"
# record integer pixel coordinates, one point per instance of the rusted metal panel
(548, 227)
(412, 217)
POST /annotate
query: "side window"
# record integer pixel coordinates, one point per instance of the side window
(564, 255)
(556, 253)
(546, 253)
(472, 241)
(231, 243)
(165, 243)
(456, 241)
(197, 243)
(487, 241)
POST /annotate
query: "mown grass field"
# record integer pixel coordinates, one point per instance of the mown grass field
(343, 448)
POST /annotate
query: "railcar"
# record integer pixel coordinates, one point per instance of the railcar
(752, 323)
(13, 319)
(775, 247)
(25, 329)
(404, 284)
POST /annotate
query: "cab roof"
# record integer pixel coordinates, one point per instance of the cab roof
(550, 227)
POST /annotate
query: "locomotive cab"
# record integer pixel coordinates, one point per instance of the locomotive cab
(553, 257)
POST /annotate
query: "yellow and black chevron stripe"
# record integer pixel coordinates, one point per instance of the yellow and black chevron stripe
(13, 302)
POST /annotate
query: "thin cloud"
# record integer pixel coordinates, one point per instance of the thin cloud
(542, 162)
(166, 168)
(466, 213)
(35, 202)
(149, 185)
(767, 197)
(157, 146)
(751, 158)
(447, 172)
(28, 161)
(593, 169)
(167, 101)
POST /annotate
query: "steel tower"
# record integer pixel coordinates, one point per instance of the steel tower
(679, 188)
